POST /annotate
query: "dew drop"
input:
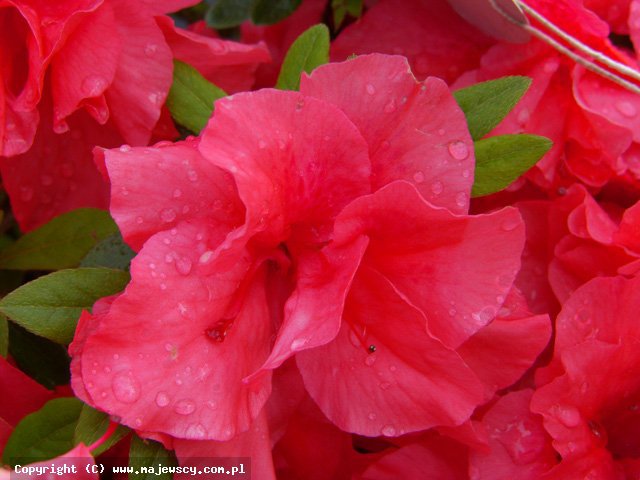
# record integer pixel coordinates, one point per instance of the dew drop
(153, 98)
(183, 266)
(390, 107)
(418, 177)
(392, 368)
(353, 338)
(138, 422)
(510, 224)
(93, 85)
(125, 388)
(206, 256)
(523, 117)
(385, 385)
(196, 432)
(219, 331)
(388, 431)
(372, 416)
(193, 176)
(452, 312)
(441, 132)
(299, 343)
(626, 108)
(177, 193)
(139, 220)
(458, 150)
(370, 360)
(370, 89)
(262, 144)
(461, 199)
(125, 148)
(26, 194)
(569, 416)
(437, 188)
(185, 407)
(150, 49)
(168, 215)
(466, 173)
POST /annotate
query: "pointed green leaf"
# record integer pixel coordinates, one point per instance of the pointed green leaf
(267, 12)
(111, 252)
(310, 50)
(4, 336)
(500, 160)
(486, 104)
(92, 425)
(61, 243)
(146, 453)
(44, 361)
(191, 97)
(45, 434)
(50, 306)
(228, 13)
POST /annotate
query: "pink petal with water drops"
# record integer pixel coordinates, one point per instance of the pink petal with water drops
(297, 161)
(456, 269)
(192, 338)
(415, 131)
(57, 174)
(156, 188)
(143, 76)
(252, 449)
(384, 375)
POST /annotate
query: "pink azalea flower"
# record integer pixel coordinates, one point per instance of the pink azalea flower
(317, 225)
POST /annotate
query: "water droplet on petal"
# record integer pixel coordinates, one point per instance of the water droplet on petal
(523, 117)
(196, 432)
(150, 49)
(139, 220)
(568, 415)
(185, 407)
(510, 224)
(26, 194)
(93, 85)
(370, 360)
(461, 199)
(125, 148)
(153, 98)
(372, 416)
(626, 108)
(437, 188)
(418, 177)
(262, 144)
(183, 266)
(177, 193)
(299, 343)
(388, 431)
(458, 150)
(168, 215)
(206, 256)
(125, 388)
(385, 385)
(390, 107)
(370, 89)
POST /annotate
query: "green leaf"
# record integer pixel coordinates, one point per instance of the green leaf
(266, 12)
(310, 50)
(500, 160)
(50, 306)
(45, 434)
(486, 104)
(61, 243)
(146, 453)
(228, 13)
(111, 252)
(92, 425)
(4, 336)
(44, 361)
(191, 97)
(343, 7)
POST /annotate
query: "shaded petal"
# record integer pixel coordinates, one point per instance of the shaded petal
(435, 39)
(415, 131)
(143, 76)
(57, 174)
(229, 65)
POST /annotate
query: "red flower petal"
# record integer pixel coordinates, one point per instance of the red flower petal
(435, 39)
(191, 341)
(156, 188)
(416, 132)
